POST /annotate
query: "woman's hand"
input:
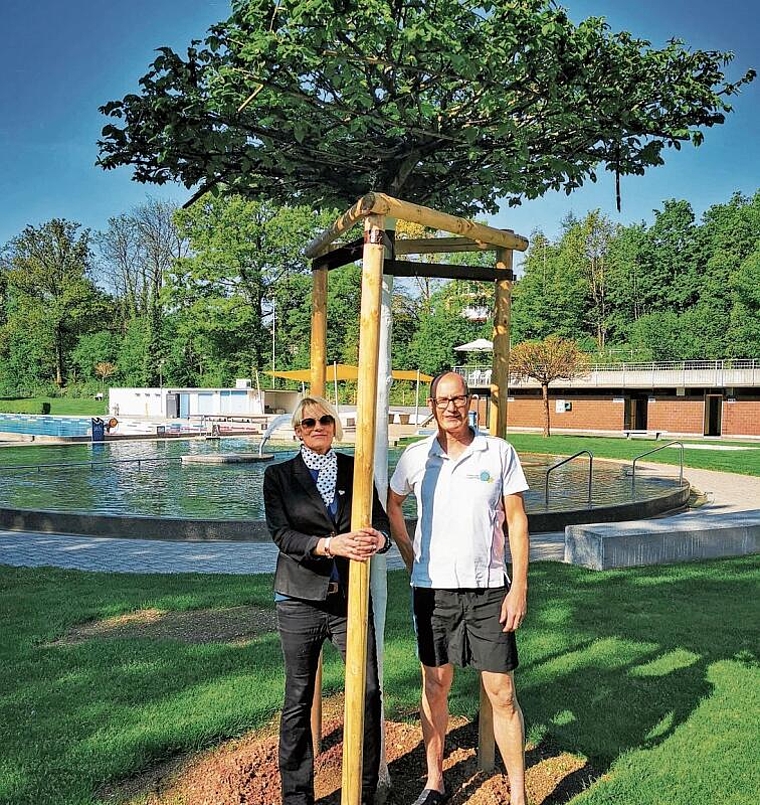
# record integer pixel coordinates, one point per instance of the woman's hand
(358, 545)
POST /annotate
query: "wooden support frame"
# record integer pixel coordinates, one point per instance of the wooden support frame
(373, 208)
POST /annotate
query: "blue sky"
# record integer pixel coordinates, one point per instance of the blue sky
(61, 60)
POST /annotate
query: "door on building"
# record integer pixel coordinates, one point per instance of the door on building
(172, 405)
(713, 414)
(184, 405)
(636, 408)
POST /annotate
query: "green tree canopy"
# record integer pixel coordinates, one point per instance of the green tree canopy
(51, 299)
(221, 295)
(454, 103)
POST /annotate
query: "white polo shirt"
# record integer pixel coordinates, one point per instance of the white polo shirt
(459, 539)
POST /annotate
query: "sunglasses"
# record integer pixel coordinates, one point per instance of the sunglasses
(324, 421)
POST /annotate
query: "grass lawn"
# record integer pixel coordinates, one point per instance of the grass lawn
(744, 462)
(649, 673)
(59, 406)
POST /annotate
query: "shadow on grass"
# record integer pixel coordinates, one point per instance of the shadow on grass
(618, 660)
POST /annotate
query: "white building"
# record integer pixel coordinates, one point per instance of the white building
(186, 403)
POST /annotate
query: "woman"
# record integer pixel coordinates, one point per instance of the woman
(308, 511)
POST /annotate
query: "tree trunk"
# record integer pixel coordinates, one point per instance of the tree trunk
(58, 358)
(545, 395)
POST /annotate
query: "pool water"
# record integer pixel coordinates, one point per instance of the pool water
(148, 478)
(64, 426)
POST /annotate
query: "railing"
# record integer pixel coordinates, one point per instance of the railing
(564, 461)
(733, 372)
(649, 453)
(92, 463)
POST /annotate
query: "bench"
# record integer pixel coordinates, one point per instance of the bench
(644, 434)
(681, 538)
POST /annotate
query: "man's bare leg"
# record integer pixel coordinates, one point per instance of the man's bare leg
(434, 714)
(509, 730)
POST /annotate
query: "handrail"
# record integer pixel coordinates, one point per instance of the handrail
(564, 461)
(68, 464)
(649, 453)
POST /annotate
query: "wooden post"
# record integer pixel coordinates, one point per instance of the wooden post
(317, 388)
(486, 741)
(318, 332)
(500, 366)
(361, 513)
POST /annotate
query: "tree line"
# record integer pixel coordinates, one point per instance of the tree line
(678, 289)
(198, 297)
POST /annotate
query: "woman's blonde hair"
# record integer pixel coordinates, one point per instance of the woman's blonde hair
(320, 403)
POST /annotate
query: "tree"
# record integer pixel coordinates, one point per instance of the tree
(625, 273)
(95, 349)
(105, 369)
(589, 244)
(731, 232)
(565, 286)
(551, 359)
(745, 314)
(47, 274)
(222, 294)
(137, 252)
(442, 326)
(454, 103)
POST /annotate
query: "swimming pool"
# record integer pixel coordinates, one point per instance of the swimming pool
(42, 425)
(149, 478)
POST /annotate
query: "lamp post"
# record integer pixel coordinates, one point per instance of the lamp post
(274, 348)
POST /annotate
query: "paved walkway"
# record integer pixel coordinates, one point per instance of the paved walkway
(28, 549)
(727, 495)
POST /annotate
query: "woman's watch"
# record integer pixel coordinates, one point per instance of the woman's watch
(387, 545)
(326, 547)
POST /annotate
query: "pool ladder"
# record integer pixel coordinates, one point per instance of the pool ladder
(565, 461)
(649, 453)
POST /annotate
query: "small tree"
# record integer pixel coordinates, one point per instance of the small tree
(105, 369)
(554, 358)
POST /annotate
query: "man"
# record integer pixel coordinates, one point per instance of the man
(466, 611)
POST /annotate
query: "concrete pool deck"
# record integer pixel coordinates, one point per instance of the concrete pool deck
(730, 497)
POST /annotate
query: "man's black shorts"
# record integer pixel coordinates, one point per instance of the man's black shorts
(463, 627)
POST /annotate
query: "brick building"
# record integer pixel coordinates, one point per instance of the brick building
(694, 398)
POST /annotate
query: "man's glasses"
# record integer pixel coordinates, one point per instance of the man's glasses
(324, 421)
(459, 401)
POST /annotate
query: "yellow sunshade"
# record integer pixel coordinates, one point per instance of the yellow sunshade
(405, 374)
(344, 372)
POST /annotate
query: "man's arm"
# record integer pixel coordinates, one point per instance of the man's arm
(398, 528)
(516, 603)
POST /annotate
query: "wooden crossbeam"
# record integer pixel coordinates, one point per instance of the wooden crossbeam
(440, 246)
(407, 268)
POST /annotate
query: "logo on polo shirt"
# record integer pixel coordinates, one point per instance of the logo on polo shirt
(484, 476)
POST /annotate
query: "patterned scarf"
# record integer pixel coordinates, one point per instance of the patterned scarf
(327, 465)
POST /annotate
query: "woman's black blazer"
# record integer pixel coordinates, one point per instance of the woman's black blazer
(297, 518)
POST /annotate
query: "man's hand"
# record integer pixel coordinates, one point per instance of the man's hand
(514, 609)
